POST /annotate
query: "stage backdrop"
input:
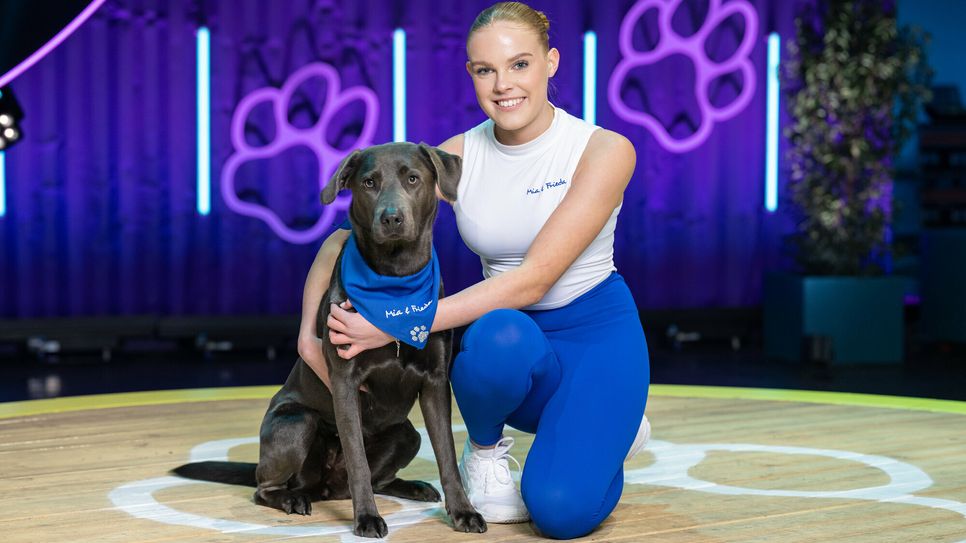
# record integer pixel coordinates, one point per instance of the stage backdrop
(101, 195)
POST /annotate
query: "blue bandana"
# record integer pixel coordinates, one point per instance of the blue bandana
(403, 307)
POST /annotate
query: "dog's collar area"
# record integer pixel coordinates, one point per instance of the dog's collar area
(403, 307)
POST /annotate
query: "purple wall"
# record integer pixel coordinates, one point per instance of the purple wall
(101, 194)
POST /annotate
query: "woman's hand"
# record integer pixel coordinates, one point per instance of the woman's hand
(352, 333)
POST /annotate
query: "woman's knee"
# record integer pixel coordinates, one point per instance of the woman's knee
(503, 337)
(500, 354)
(560, 510)
(499, 330)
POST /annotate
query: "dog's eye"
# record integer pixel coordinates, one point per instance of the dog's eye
(368, 183)
(413, 179)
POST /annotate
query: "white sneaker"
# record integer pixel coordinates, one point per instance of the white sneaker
(640, 441)
(489, 484)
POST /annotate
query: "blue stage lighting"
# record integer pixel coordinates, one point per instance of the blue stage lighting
(399, 85)
(590, 76)
(204, 120)
(771, 132)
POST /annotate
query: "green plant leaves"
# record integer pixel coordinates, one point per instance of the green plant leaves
(854, 82)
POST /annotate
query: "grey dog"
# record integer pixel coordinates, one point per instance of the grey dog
(316, 444)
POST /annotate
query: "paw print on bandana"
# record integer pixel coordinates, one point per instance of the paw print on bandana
(693, 47)
(288, 136)
(419, 334)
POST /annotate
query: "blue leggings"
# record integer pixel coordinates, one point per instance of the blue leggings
(577, 377)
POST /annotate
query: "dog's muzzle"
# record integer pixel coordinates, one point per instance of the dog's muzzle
(392, 222)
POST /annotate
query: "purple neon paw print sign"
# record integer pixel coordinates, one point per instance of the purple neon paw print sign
(288, 136)
(692, 47)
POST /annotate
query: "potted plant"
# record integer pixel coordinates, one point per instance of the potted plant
(853, 83)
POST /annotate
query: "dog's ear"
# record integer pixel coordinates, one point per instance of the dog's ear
(341, 177)
(448, 169)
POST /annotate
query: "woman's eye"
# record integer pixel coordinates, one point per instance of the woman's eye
(482, 71)
(368, 183)
(413, 179)
(520, 65)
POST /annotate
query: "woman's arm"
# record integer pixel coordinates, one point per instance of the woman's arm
(316, 283)
(596, 190)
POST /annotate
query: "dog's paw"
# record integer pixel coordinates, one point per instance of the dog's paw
(468, 521)
(410, 490)
(423, 492)
(285, 500)
(370, 526)
(710, 68)
(282, 108)
(298, 504)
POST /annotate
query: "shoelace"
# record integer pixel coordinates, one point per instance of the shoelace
(501, 452)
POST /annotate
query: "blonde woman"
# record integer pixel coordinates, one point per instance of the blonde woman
(554, 345)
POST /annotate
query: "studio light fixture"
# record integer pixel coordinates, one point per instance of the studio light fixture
(54, 43)
(772, 128)
(3, 184)
(399, 85)
(10, 133)
(10, 117)
(590, 76)
(203, 80)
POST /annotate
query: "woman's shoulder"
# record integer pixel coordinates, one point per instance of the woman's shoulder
(608, 149)
(453, 145)
(456, 144)
(609, 141)
(595, 139)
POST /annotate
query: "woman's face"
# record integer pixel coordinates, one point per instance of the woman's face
(510, 70)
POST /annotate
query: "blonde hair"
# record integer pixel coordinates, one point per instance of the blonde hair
(514, 12)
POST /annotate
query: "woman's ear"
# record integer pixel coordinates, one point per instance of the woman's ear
(553, 61)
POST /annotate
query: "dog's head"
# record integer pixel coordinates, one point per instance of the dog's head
(394, 188)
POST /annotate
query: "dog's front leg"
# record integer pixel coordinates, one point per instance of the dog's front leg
(366, 519)
(434, 402)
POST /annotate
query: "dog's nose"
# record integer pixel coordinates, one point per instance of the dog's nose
(391, 217)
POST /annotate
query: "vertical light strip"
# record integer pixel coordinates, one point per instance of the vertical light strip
(204, 120)
(771, 129)
(3, 184)
(399, 85)
(590, 76)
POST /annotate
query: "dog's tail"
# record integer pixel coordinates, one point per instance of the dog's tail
(231, 473)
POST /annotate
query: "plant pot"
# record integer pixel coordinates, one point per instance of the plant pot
(943, 285)
(836, 319)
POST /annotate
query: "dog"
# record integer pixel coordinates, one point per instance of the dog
(318, 444)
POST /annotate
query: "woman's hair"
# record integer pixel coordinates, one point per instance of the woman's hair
(514, 12)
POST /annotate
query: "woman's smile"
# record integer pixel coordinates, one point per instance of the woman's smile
(510, 104)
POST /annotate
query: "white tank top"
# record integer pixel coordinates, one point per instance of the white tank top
(507, 192)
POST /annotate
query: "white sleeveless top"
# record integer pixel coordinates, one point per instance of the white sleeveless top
(507, 192)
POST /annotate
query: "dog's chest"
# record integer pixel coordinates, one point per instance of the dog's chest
(392, 390)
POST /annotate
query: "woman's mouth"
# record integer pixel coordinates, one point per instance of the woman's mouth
(509, 104)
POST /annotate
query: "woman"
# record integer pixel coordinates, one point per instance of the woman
(555, 345)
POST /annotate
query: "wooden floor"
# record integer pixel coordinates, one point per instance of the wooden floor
(725, 465)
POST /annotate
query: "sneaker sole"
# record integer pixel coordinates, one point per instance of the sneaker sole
(503, 519)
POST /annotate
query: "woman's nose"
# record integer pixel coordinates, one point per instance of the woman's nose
(502, 82)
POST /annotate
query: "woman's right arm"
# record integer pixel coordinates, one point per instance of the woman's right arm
(317, 282)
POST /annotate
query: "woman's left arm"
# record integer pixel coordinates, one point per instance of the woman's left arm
(597, 187)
